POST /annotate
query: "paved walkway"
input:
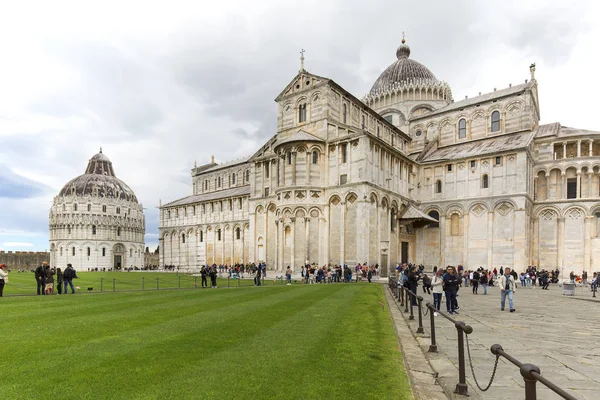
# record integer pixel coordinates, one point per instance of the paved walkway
(559, 334)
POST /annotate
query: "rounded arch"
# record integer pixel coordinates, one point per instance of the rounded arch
(455, 208)
(315, 96)
(271, 207)
(394, 205)
(385, 201)
(351, 196)
(542, 210)
(335, 199)
(300, 212)
(373, 198)
(301, 100)
(314, 212)
(259, 209)
(478, 204)
(286, 212)
(577, 206)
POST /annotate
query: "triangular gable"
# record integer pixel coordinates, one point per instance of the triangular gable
(304, 80)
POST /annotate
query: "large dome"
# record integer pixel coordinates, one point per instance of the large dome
(99, 180)
(403, 71)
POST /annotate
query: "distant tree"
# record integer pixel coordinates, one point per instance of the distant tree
(147, 250)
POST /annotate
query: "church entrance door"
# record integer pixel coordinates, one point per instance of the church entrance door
(404, 252)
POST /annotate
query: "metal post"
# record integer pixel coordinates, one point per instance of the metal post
(530, 381)
(101, 281)
(156, 283)
(114, 284)
(406, 299)
(419, 302)
(410, 300)
(433, 346)
(461, 386)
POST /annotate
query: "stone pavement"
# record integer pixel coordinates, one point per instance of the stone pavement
(560, 334)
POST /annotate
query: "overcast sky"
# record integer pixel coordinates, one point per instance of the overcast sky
(161, 84)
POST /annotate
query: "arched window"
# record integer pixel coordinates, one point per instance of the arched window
(201, 236)
(485, 181)
(183, 238)
(218, 234)
(103, 208)
(289, 158)
(89, 207)
(435, 215)
(377, 131)
(393, 221)
(168, 214)
(597, 215)
(219, 181)
(130, 252)
(237, 233)
(93, 229)
(495, 121)
(344, 113)
(438, 186)
(418, 133)
(118, 210)
(89, 251)
(315, 157)
(103, 252)
(462, 128)
(69, 229)
(363, 122)
(454, 225)
(302, 113)
(73, 250)
(61, 252)
(118, 231)
(233, 179)
(247, 175)
(75, 207)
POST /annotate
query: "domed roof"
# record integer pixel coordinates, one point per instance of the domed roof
(403, 71)
(99, 180)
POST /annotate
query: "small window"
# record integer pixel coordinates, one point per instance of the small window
(572, 188)
(418, 133)
(130, 252)
(495, 121)
(248, 175)
(344, 153)
(266, 192)
(103, 252)
(377, 131)
(201, 236)
(289, 158)
(89, 207)
(344, 113)
(89, 251)
(389, 118)
(230, 205)
(183, 238)
(219, 181)
(233, 179)
(69, 230)
(73, 250)
(240, 203)
(212, 207)
(438, 186)
(61, 251)
(449, 167)
(118, 210)
(193, 210)
(221, 206)
(118, 231)
(168, 214)
(302, 113)
(75, 207)
(103, 208)
(498, 160)
(237, 234)
(267, 172)
(485, 181)
(177, 213)
(435, 215)
(473, 164)
(462, 128)
(343, 179)
(218, 234)
(363, 122)
(93, 229)
(64, 207)
(315, 157)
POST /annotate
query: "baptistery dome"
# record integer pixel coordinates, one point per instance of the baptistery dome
(96, 221)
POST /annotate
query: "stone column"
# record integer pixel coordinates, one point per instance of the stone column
(490, 239)
(587, 244)
(223, 246)
(442, 240)
(590, 185)
(563, 185)
(252, 231)
(243, 233)
(231, 261)
(307, 248)
(466, 239)
(535, 259)
(214, 231)
(262, 178)
(578, 194)
(308, 163)
(325, 235)
(293, 241)
(281, 245)
(283, 161)
(293, 168)
(343, 234)
(561, 243)
(591, 150)
(564, 150)
(579, 148)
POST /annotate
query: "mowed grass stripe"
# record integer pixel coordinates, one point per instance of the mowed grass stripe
(246, 343)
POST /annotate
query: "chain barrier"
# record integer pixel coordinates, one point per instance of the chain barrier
(473, 370)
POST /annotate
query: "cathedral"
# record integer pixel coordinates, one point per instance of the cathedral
(96, 221)
(405, 174)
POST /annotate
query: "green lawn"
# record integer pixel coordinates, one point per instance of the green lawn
(24, 282)
(286, 342)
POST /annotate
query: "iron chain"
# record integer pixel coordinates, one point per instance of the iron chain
(473, 371)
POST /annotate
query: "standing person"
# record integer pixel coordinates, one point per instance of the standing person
(437, 288)
(3, 277)
(507, 286)
(59, 281)
(203, 274)
(483, 280)
(68, 275)
(545, 280)
(413, 283)
(213, 277)
(451, 282)
(40, 278)
(370, 274)
(426, 284)
(288, 275)
(475, 281)
(257, 277)
(49, 276)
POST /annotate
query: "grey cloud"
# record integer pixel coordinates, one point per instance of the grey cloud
(15, 186)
